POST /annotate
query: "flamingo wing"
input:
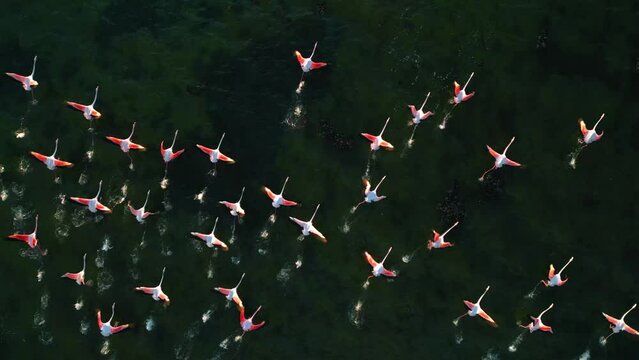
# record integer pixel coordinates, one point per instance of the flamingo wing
(370, 259)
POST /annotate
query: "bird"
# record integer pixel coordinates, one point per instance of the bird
(554, 279)
(278, 199)
(106, 329)
(140, 214)
(618, 325)
(79, 276)
(419, 115)
(210, 239)
(460, 93)
(28, 83)
(537, 324)
(370, 196)
(307, 64)
(50, 161)
(168, 154)
(231, 294)
(30, 239)
(235, 208)
(377, 141)
(126, 144)
(438, 241)
(247, 323)
(214, 154)
(500, 159)
(94, 204)
(378, 267)
(590, 136)
(88, 111)
(308, 227)
(475, 309)
(156, 292)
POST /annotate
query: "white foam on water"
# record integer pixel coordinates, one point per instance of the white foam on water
(515, 344)
(284, 275)
(165, 250)
(585, 355)
(105, 348)
(40, 275)
(79, 217)
(18, 190)
(45, 337)
(4, 194)
(490, 355)
(200, 197)
(207, 315)
(84, 326)
(162, 226)
(164, 183)
(21, 133)
(298, 262)
(210, 271)
(224, 344)
(300, 238)
(44, 300)
(235, 260)
(24, 166)
(166, 202)
(149, 323)
(104, 281)
(355, 314)
(459, 338)
(38, 319)
(82, 180)
(79, 304)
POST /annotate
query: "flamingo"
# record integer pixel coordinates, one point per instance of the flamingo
(308, 227)
(370, 196)
(168, 154)
(377, 141)
(460, 94)
(438, 241)
(235, 208)
(126, 144)
(215, 154)
(94, 204)
(307, 64)
(140, 214)
(30, 239)
(210, 239)
(247, 324)
(156, 292)
(475, 309)
(419, 115)
(590, 136)
(278, 199)
(79, 276)
(50, 161)
(378, 267)
(88, 111)
(28, 83)
(500, 159)
(106, 329)
(618, 325)
(231, 294)
(537, 324)
(555, 279)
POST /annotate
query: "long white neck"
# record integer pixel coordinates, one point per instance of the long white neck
(543, 312)
(482, 295)
(147, 199)
(220, 143)
(35, 58)
(255, 313)
(424, 104)
(283, 186)
(598, 121)
(95, 98)
(162, 278)
(174, 138)
(387, 253)
(624, 315)
(384, 128)
(451, 228)
(112, 313)
(99, 190)
(313, 53)
(241, 195)
(36, 225)
(562, 269)
(239, 282)
(471, 76)
(214, 226)
(313, 217)
(56, 148)
(132, 131)
(84, 262)
(380, 183)
(510, 143)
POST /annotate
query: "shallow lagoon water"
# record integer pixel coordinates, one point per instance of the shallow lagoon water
(213, 67)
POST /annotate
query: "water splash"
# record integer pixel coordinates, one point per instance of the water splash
(104, 281)
(184, 349)
(105, 349)
(24, 166)
(84, 327)
(200, 196)
(459, 337)
(21, 133)
(575, 153)
(284, 275)
(211, 270)
(149, 323)
(445, 120)
(490, 355)
(235, 260)
(207, 315)
(513, 346)
(294, 117)
(17, 190)
(164, 183)
(79, 304)
(83, 179)
(533, 292)
(298, 262)
(585, 355)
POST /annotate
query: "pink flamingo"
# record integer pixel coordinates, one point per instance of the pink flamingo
(30, 239)
(618, 325)
(554, 279)
(500, 159)
(28, 83)
(106, 329)
(140, 214)
(377, 141)
(50, 161)
(590, 136)
(460, 93)
(79, 276)
(378, 267)
(126, 144)
(278, 199)
(438, 241)
(537, 324)
(94, 204)
(308, 227)
(235, 208)
(307, 64)
(370, 196)
(210, 239)
(419, 115)
(475, 309)
(88, 111)
(231, 294)
(168, 154)
(247, 323)
(156, 292)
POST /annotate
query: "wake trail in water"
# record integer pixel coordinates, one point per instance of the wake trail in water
(575, 153)
(532, 293)
(265, 233)
(515, 344)
(355, 315)
(295, 114)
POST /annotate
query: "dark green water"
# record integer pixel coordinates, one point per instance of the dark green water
(209, 67)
